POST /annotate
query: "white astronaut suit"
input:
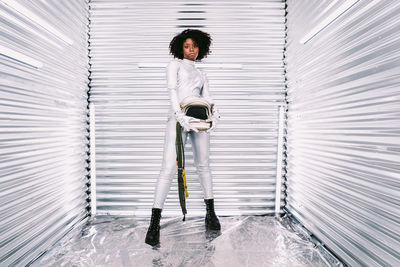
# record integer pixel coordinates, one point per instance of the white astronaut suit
(184, 79)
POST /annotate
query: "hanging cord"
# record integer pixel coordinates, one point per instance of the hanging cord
(180, 161)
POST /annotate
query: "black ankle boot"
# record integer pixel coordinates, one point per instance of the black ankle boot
(153, 233)
(212, 221)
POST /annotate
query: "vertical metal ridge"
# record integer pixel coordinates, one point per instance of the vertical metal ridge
(343, 148)
(43, 125)
(286, 110)
(129, 51)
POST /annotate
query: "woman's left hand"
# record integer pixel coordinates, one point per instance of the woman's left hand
(214, 120)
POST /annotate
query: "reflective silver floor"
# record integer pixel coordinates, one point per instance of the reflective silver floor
(243, 241)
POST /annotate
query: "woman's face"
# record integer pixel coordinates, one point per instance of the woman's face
(190, 49)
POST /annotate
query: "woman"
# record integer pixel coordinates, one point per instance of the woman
(184, 79)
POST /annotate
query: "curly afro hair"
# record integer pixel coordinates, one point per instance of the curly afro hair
(202, 39)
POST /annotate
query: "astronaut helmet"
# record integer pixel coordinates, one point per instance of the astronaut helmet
(200, 108)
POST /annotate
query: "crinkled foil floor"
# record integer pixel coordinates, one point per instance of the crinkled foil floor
(242, 241)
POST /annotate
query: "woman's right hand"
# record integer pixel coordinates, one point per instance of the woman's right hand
(185, 121)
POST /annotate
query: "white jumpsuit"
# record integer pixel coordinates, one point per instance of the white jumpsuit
(184, 79)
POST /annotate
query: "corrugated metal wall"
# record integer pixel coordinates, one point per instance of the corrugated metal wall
(43, 125)
(343, 140)
(129, 52)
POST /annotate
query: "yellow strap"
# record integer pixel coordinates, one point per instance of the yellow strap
(184, 182)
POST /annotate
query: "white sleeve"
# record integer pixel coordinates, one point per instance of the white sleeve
(205, 91)
(172, 83)
(206, 94)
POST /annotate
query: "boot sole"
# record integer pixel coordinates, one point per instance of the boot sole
(151, 243)
(210, 228)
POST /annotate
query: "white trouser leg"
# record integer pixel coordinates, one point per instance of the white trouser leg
(168, 168)
(200, 144)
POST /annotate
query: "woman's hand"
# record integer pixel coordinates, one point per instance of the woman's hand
(214, 119)
(185, 121)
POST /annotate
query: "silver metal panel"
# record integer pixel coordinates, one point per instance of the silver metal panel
(43, 125)
(129, 51)
(343, 139)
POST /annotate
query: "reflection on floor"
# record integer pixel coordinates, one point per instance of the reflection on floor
(243, 241)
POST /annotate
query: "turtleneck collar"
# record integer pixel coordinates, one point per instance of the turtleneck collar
(188, 61)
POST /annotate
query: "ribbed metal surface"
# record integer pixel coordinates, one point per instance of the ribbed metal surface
(129, 52)
(43, 125)
(343, 141)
